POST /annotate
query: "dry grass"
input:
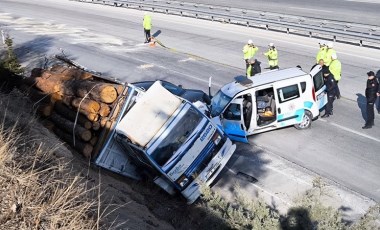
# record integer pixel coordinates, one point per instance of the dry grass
(37, 189)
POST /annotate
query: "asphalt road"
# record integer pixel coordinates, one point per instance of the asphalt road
(354, 11)
(109, 40)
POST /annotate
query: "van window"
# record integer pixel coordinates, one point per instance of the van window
(303, 86)
(288, 93)
(233, 112)
(318, 81)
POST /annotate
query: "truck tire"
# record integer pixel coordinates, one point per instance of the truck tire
(306, 121)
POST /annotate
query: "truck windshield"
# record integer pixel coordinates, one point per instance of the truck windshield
(218, 103)
(179, 133)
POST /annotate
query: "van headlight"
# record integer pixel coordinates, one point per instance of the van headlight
(216, 138)
(182, 181)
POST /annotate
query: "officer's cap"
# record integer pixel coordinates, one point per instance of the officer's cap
(370, 73)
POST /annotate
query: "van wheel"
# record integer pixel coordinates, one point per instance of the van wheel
(306, 121)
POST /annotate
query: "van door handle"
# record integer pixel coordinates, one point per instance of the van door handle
(241, 126)
(279, 110)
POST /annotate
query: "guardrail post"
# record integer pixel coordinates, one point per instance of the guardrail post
(310, 34)
(361, 43)
(181, 13)
(229, 21)
(247, 24)
(287, 30)
(267, 27)
(334, 38)
(196, 15)
(166, 11)
(212, 18)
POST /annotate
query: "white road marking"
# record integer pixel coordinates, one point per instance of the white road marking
(351, 130)
(187, 59)
(366, 1)
(309, 9)
(145, 66)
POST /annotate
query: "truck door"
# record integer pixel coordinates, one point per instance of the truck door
(233, 122)
(290, 108)
(319, 86)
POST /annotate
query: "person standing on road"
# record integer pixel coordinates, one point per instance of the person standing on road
(253, 67)
(147, 24)
(378, 95)
(322, 51)
(272, 56)
(249, 51)
(327, 58)
(336, 70)
(371, 93)
(331, 91)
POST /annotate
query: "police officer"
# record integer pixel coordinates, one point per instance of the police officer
(331, 91)
(371, 93)
(321, 52)
(272, 55)
(336, 70)
(147, 24)
(330, 50)
(254, 67)
(249, 51)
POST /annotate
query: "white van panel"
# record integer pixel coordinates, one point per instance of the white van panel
(147, 116)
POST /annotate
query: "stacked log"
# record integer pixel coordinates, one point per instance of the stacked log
(78, 105)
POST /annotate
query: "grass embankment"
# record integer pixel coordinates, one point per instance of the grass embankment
(37, 188)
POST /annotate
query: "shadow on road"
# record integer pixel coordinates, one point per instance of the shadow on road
(361, 100)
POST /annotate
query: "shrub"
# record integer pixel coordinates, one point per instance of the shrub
(10, 61)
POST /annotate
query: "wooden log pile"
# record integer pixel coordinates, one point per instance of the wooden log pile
(80, 107)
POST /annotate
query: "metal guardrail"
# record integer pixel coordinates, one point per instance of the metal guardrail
(353, 33)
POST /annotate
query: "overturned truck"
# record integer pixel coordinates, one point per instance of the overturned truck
(144, 134)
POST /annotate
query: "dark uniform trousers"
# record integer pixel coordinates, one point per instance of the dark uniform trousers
(370, 113)
(331, 93)
(370, 94)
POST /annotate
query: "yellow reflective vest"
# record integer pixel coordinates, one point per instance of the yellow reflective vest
(327, 59)
(272, 55)
(336, 69)
(249, 51)
(321, 54)
(147, 22)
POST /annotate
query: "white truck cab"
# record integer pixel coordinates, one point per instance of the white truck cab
(268, 101)
(167, 139)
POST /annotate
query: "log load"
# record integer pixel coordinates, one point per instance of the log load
(70, 114)
(66, 94)
(67, 126)
(97, 91)
(80, 146)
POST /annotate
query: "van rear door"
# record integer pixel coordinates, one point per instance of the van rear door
(233, 123)
(319, 86)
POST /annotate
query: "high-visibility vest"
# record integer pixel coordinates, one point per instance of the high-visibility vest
(336, 69)
(249, 51)
(327, 59)
(147, 22)
(272, 55)
(321, 54)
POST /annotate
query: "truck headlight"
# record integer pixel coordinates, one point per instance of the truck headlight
(216, 138)
(182, 181)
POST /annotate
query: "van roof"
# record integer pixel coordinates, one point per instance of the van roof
(242, 83)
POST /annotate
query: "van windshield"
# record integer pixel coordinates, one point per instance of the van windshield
(218, 103)
(179, 133)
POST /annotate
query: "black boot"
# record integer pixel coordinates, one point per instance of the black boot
(367, 126)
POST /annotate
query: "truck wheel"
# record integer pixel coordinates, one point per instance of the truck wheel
(306, 121)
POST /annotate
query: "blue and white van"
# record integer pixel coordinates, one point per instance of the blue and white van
(268, 101)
